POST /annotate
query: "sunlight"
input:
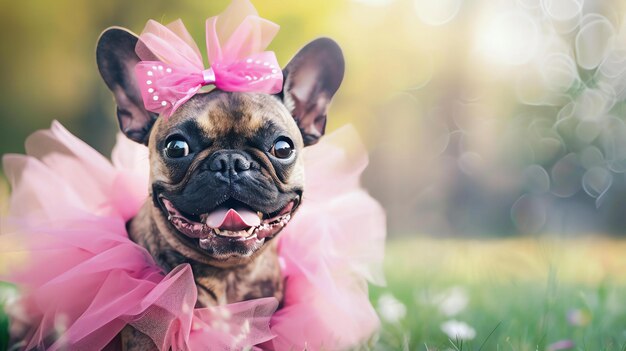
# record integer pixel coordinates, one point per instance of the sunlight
(509, 38)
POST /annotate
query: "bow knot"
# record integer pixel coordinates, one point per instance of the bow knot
(208, 76)
(236, 41)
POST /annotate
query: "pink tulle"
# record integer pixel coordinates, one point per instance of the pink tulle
(82, 280)
(236, 41)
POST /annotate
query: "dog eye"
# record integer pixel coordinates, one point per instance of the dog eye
(283, 147)
(176, 148)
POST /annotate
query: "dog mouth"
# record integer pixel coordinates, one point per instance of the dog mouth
(231, 223)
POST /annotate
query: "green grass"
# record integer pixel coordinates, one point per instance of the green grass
(519, 293)
(5, 289)
(4, 330)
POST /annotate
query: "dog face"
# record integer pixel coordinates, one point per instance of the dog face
(226, 167)
(226, 172)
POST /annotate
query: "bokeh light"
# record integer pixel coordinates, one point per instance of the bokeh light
(481, 117)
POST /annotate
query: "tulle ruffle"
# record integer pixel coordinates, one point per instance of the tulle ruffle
(82, 280)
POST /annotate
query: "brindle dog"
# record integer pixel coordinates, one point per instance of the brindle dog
(222, 150)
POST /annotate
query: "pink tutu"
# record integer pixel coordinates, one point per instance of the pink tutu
(82, 280)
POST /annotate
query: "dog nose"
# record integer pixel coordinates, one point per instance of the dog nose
(231, 162)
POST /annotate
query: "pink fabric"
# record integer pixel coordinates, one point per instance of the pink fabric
(83, 280)
(235, 39)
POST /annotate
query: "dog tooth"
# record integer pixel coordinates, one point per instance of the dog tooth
(204, 243)
(260, 214)
(217, 231)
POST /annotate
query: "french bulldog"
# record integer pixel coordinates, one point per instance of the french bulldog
(226, 171)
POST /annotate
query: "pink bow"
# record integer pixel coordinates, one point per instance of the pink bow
(235, 42)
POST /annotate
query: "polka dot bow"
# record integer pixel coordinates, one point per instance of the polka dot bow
(235, 39)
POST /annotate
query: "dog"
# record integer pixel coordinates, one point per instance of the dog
(226, 171)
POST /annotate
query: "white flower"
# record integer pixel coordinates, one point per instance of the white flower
(458, 330)
(390, 309)
(451, 301)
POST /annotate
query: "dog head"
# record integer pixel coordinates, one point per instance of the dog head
(226, 168)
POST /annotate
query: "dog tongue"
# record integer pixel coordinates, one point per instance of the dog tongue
(232, 219)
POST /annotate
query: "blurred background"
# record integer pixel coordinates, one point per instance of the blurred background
(482, 118)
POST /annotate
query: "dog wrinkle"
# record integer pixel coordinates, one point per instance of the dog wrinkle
(227, 113)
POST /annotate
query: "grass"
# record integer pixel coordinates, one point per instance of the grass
(515, 294)
(518, 293)
(4, 327)
(5, 291)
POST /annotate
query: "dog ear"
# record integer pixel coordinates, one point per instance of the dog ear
(311, 79)
(116, 57)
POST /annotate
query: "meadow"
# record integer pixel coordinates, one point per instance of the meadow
(521, 294)
(506, 294)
